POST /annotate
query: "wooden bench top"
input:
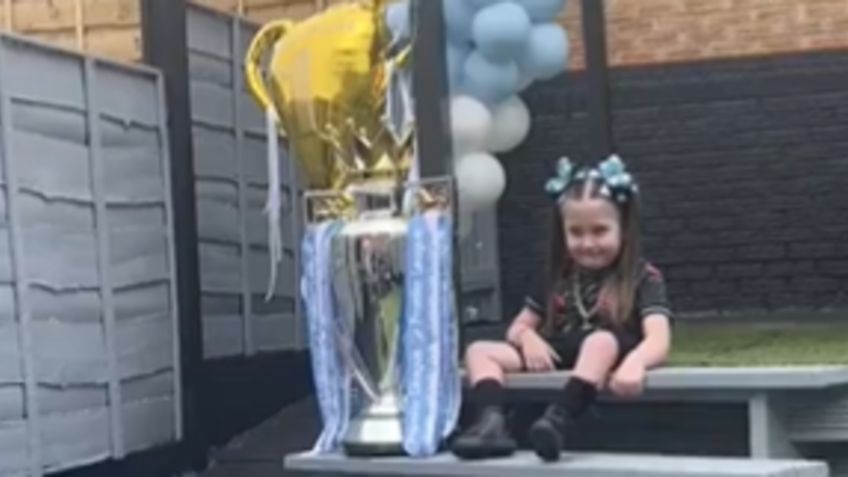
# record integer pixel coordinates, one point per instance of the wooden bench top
(571, 465)
(719, 379)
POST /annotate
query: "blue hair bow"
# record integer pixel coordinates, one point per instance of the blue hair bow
(616, 183)
(559, 183)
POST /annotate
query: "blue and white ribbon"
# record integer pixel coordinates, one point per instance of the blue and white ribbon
(415, 338)
(430, 370)
(332, 379)
(451, 379)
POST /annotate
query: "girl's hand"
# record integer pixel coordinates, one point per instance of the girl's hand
(629, 379)
(538, 354)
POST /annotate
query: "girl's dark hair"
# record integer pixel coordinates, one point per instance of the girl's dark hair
(618, 292)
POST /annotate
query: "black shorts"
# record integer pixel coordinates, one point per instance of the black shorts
(567, 345)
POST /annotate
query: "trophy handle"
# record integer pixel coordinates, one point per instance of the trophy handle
(354, 362)
(262, 42)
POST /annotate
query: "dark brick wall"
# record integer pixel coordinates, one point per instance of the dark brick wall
(744, 166)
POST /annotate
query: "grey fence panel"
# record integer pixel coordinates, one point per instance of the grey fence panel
(481, 292)
(89, 364)
(231, 180)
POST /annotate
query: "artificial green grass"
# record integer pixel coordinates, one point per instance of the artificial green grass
(737, 345)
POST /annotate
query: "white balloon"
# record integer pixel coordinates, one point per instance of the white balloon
(480, 180)
(470, 124)
(510, 125)
(465, 224)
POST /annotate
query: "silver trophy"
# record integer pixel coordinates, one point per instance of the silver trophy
(368, 259)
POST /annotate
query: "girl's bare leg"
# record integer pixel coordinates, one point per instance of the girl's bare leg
(596, 359)
(490, 360)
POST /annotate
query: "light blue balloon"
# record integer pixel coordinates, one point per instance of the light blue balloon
(478, 4)
(500, 31)
(456, 55)
(546, 53)
(542, 10)
(524, 80)
(487, 80)
(397, 17)
(458, 16)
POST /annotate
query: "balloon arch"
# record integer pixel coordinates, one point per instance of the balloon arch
(495, 50)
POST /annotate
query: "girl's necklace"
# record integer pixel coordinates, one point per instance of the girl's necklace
(585, 314)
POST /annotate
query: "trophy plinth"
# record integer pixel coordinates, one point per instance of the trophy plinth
(377, 431)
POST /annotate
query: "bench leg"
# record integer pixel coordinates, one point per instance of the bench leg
(767, 435)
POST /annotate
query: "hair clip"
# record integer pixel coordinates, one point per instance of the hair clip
(618, 183)
(557, 185)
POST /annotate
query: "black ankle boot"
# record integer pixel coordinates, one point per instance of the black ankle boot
(488, 437)
(547, 434)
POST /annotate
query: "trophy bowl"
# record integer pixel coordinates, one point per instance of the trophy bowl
(368, 259)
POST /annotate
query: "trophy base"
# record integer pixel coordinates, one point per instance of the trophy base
(377, 431)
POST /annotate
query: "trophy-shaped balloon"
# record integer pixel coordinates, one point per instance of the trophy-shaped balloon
(333, 83)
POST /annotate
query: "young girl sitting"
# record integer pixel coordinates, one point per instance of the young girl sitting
(602, 313)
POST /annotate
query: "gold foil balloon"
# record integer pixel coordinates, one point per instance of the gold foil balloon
(326, 84)
(325, 89)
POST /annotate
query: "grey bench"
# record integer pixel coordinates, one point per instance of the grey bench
(571, 465)
(787, 406)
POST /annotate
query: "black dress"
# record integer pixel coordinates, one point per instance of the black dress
(571, 325)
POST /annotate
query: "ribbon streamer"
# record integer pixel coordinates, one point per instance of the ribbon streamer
(273, 203)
